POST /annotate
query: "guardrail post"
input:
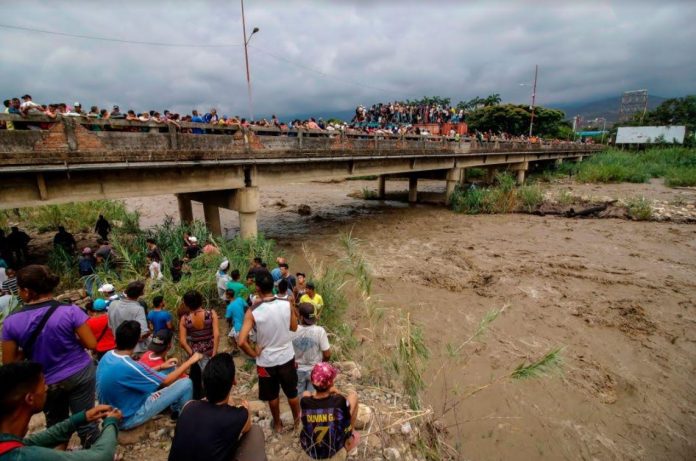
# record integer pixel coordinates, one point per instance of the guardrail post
(299, 138)
(173, 137)
(69, 127)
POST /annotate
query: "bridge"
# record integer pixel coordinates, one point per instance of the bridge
(78, 158)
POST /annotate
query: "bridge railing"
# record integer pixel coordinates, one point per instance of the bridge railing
(75, 140)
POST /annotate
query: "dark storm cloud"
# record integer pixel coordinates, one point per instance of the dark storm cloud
(325, 55)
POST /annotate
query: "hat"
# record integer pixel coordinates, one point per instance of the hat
(106, 288)
(99, 305)
(224, 265)
(160, 341)
(323, 375)
(115, 106)
(77, 104)
(193, 239)
(86, 251)
(310, 285)
(307, 313)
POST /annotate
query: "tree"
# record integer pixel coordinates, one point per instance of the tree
(514, 119)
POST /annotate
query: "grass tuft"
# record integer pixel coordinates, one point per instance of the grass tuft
(639, 209)
(550, 363)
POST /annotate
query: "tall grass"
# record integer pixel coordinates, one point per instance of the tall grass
(504, 197)
(676, 164)
(79, 216)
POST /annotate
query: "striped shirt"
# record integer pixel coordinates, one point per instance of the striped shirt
(10, 286)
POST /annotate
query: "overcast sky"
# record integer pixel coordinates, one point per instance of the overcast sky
(335, 54)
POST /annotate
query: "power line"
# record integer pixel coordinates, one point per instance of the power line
(116, 40)
(188, 45)
(317, 71)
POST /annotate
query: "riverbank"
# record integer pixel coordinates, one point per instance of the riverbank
(616, 294)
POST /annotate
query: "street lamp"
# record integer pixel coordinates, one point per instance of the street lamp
(246, 59)
(532, 107)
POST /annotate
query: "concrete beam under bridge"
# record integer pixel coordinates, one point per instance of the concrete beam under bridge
(244, 200)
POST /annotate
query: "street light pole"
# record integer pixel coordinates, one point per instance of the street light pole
(531, 120)
(246, 60)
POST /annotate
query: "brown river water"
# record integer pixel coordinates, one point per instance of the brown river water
(617, 295)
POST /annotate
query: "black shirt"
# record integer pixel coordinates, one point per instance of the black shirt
(192, 251)
(325, 425)
(205, 431)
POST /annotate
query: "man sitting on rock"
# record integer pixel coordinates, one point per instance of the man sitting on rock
(136, 389)
(213, 428)
(328, 417)
(22, 394)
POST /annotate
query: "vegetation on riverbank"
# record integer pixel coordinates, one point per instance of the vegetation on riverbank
(504, 197)
(677, 165)
(74, 216)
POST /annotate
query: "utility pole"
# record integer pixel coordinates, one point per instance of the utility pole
(531, 120)
(246, 59)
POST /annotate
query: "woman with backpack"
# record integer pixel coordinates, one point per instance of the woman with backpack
(54, 335)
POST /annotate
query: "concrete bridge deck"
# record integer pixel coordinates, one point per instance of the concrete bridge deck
(78, 158)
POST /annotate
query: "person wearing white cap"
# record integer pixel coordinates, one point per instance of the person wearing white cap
(109, 292)
(193, 249)
(222, 278)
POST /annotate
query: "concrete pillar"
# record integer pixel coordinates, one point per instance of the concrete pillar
(453, 178)
(490, 175)
(520, 176)
(559, 162)
(247, 203)
(412, 189)
(382, 191)
(212, 218)
(462, 179)
(185, 209)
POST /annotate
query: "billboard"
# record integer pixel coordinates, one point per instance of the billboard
(650, 134)
(633, 102)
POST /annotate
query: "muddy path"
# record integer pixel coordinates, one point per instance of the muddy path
(617, 295)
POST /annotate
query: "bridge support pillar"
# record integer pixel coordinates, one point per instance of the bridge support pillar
(453, 178)
(412, 189)
(212, 218)
(247, 203)
(520, 176)
(185, 209)
(462, 178)
(382, 190)
(490, 175)
(558, 162)
(521, 169)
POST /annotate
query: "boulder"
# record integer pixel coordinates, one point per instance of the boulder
(365, 415)
(304, 210)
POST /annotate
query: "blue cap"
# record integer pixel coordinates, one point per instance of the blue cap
(99, 304)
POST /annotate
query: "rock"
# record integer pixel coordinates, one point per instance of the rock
(256, 406)
(37, 423)
(286, 418)
(304, 210)
(406, 428)
(365, 415)
(281, 203)
(137, 434)
(392, 454)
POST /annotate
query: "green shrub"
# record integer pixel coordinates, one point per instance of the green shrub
(475, 173)
(681, 177)
(470, 200)
(530, 197)
(639, 209)
(79, 216)
(676, 164)
(369, 194)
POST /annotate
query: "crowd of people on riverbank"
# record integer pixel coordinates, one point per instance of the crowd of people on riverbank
(111, 366)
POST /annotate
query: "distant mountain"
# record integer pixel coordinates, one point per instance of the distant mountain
(607, 108)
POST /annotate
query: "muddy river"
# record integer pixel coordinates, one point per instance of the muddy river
(618, 296)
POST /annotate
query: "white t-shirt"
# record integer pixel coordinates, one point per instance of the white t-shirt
(222, 279)
(273, 333)
(309, 342)
(156, 271)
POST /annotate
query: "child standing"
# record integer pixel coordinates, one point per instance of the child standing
(311, 345)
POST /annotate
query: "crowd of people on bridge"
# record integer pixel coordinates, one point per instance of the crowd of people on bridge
(111, 366)
(402, 113)
(395, 118)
